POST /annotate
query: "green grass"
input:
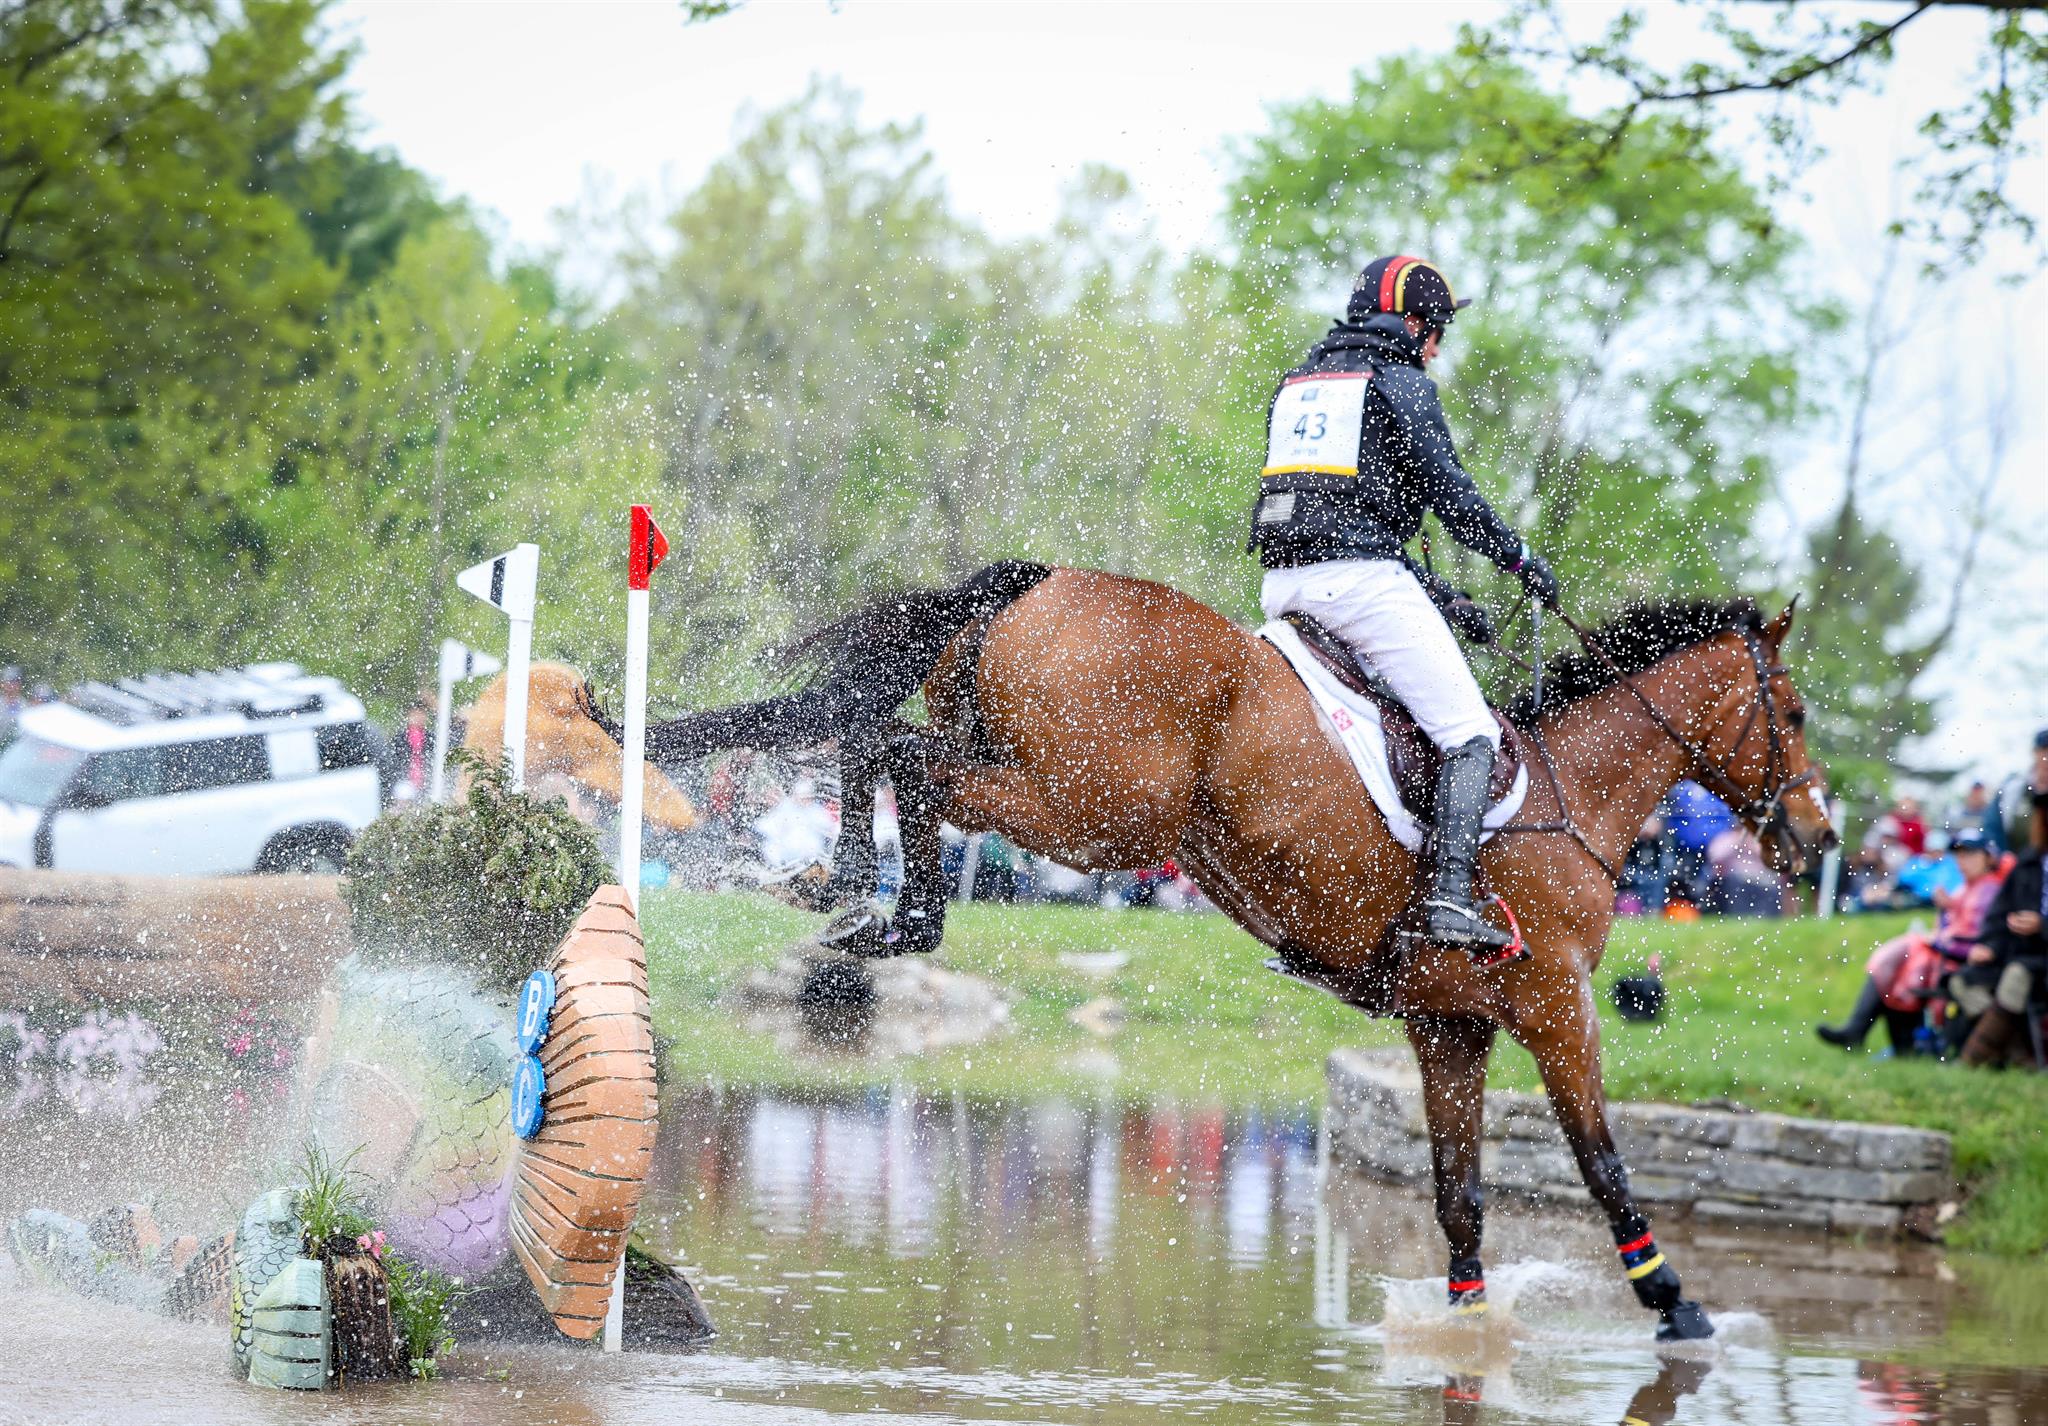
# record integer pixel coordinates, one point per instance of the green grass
(1206, 1023)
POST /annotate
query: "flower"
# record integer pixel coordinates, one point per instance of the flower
(372, 1243)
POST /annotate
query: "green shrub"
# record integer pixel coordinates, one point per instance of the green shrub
(329, 1205)
(491, 882)
(420, 1303)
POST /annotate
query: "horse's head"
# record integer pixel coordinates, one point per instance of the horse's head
(1762, 753)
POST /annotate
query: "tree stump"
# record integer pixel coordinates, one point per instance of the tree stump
(359, 1294)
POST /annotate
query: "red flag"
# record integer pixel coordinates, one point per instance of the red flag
(646, 549)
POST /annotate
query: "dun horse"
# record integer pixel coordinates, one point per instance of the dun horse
(1108, 723)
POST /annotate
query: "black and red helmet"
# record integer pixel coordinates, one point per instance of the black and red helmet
(1408, 285)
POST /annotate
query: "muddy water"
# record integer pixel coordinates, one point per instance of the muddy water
(1097, 1262)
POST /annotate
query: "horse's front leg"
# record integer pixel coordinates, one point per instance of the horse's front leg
(1452, 1051)
(1565, 1039)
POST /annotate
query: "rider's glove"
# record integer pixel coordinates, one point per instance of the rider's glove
(1537, 578)
(1469, 619)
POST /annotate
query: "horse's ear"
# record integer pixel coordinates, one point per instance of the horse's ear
(1776, 630)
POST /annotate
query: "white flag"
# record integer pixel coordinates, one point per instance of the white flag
(505, 582)
(459, 661)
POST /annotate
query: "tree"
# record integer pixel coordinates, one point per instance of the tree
(854, 389)
(1868, 633)
(1798, 57)
(183, 222)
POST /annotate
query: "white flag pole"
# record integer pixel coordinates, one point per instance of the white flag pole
(645, 548)
(631, 791)
(507, 583)
(521, 574)
(453, 656)
(458, 661)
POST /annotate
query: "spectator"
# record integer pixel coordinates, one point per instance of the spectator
(1740, 883)
(995, 875)
(11, 702)
(1976, 810)
(1903, 974)
(1912, 826)
(1997, 987)
(1886, 872)
(1695, 817)
(410, 751)
(2013, 807)
(1646, 874)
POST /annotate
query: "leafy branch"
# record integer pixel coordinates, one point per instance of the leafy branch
(1806, 56)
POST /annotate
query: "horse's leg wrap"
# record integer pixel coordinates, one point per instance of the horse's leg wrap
(1467, 1287)
(1568, 1055)
(1656, 1282)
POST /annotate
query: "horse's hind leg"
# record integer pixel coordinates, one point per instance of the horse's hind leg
(1452, 1051)
(920, 919)
(1566, 1044)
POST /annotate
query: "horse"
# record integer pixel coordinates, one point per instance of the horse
(1109, 722)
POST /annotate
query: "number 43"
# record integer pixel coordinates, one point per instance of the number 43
(1311, 426)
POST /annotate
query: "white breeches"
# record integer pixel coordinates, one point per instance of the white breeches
(1379, 608)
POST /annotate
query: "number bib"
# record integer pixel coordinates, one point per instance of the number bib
(1316, 424)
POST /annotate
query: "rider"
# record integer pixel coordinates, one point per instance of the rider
(1357, 450)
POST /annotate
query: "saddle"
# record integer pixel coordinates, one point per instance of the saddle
(1411, 756)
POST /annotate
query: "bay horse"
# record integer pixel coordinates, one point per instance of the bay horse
(1112, 723)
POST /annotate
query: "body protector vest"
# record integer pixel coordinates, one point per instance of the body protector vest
(1357, 451)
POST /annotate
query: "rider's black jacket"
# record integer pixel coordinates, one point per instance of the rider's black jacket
(1406, 466)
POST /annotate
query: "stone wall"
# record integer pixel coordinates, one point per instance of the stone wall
(1713, 1164)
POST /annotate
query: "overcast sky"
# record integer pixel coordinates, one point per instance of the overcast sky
(523, 108)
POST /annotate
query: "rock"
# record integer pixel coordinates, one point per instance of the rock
(915, 1006)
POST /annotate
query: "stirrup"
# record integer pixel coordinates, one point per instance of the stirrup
(1486, 946)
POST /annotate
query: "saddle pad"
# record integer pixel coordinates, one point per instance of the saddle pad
(1355, 720)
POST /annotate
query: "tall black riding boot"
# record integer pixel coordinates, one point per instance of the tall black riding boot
(1904, 1028)
(1850, 1033)
(1452, 919)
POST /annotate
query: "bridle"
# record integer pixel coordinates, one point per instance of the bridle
(1765, 814)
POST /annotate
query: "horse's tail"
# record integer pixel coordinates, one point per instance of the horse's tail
(855, 672)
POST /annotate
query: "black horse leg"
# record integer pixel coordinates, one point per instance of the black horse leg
(855, 871)
(920, 919)
(1452, 1051)
(1567, 1051)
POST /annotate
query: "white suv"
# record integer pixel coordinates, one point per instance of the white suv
(262, 768)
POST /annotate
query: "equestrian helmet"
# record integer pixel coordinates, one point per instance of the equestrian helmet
(1410, 286)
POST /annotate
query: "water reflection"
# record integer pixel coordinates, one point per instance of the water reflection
(1144, 1249)
(1096, 1261)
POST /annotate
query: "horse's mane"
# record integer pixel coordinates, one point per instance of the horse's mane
(1638, 637)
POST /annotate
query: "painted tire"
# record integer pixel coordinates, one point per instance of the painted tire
(579, 1179)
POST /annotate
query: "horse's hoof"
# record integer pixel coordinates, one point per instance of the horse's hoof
(1684, 1321)
(858, 931)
